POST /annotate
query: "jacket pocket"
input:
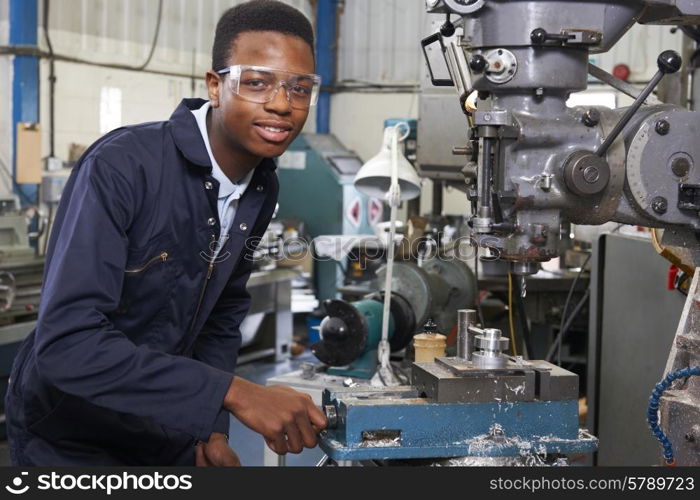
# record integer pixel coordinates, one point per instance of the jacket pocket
(142, 312)
(163, 257)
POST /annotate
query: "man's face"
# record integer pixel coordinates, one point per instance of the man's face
(254, 127)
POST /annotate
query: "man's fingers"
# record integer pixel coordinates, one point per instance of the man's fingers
(308, 434)
(200, 458)
(277, 445)
(230, 459)
(235, 461)
(317, 417)
(294, 439)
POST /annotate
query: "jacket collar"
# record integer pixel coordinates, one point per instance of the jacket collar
(189, 140)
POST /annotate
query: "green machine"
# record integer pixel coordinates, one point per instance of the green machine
(316, 186)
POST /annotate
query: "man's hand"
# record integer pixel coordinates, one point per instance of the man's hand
(287, 419)
(216, 453)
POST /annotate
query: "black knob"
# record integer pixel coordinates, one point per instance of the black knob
(538, 36)
(669, 61)
(478, 63)
(447, 29)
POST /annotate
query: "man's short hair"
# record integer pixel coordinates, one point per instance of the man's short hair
(257, 15)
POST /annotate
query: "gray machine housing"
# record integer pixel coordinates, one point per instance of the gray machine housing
(532, 163)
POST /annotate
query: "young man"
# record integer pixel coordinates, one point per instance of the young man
(133, 356)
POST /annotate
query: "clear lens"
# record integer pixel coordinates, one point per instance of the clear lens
(258, 84)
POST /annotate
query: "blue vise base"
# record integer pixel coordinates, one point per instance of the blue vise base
(397, 423)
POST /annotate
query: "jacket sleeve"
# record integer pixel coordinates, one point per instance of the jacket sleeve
(78, 349)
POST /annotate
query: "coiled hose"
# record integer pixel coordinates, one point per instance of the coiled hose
(653, 411)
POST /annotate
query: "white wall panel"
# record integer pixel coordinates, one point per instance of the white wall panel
(121, 32)
(379, 41)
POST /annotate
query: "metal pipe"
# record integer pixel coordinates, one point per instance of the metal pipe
(326, 47)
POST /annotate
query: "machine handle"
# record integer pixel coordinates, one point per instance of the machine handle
(669, 61)
(539, 36)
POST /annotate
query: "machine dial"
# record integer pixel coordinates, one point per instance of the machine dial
(464, 6)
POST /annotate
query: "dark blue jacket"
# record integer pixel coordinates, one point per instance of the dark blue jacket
(137, 336)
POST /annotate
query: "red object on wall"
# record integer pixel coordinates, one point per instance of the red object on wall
(672, 273)
(622, 71)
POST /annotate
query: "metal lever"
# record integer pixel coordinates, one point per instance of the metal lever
(669, 61)
(539, 36)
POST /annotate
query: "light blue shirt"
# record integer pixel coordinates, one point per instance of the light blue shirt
(229, 192)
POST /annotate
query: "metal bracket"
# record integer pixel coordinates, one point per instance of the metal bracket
(689, 197)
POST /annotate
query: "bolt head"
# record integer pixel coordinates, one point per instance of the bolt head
(591, 118)
(662, 127)
(659, 205)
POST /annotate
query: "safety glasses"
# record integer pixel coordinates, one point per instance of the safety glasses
(261, 84)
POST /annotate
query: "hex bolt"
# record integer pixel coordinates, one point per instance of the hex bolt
(662, 127)
(591, 118)
(680, 167)
(659, 205)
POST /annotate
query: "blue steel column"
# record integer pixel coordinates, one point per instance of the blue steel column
(326, 29)
(24, 16)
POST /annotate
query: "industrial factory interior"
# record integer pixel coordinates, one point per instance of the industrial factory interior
(350, 233)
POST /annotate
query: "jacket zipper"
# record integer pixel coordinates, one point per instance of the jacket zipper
(210, 271)
(163, 256)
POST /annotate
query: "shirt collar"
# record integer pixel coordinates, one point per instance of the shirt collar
(226, 187)
(189, 140)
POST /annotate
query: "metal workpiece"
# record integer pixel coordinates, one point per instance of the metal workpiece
(490, 345)
(439, 383)
(465, 317)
